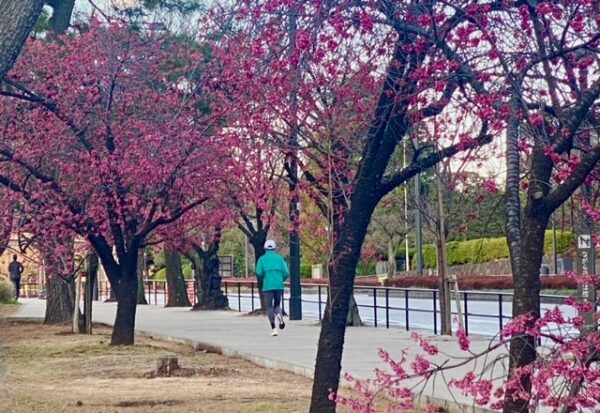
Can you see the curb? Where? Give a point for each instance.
(421, 401)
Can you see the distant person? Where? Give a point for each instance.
(272, 270)
(15, 269)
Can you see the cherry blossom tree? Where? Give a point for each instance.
(107, 143)
(548, 52)
(562, 378)
(257, 194)
(366, 74)
(198, 237)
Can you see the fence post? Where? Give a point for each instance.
(466, 313)
(166, 293)
(406, 308)
(434, 312)
(387, 308)
(320, 313)
(500, 310)
(375, 305)
(252, 295)
(239, 285)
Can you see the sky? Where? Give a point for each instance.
(494, 167)
(84, 6)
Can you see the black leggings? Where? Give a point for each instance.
(273, 299)
(17, 283)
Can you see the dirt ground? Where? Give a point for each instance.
(48, 369)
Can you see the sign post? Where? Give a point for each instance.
(586, 266)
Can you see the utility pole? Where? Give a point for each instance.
(418, 240)
(406, 254)
(554, 250)
(444, 278)
(294, 208)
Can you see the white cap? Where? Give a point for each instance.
(270, 244)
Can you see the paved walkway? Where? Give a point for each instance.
(236, 334)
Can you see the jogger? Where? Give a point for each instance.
(15, 269)
(272, 270)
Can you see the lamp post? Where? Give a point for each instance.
(294, 207)
(245, 254)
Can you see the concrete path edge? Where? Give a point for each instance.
(421, 401)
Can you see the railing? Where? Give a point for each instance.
(29, 289)
(483, 313)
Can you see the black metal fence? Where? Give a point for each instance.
(408, 308)
(397, 307)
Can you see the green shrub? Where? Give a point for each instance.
(365, 268)
(160, 275)
(305, 271)
(429, 256)
(564, 240)
(187, 271)
(481, 282)
(401, 252)
(6, 291)
(486, 249)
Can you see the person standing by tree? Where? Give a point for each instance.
(272, 270)
(15, 269)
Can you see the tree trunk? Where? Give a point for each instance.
(59, 300)
(353, 319)
(258, 243)
(92, 278)
(126, 292)
(5, 232)
(177, 290)
(333, 328)
(526, 300)
(77, 311)
(197, 269)
(342, 270)
(141, 267)
(17, 18)
(391, 259)
(125, 287)
(208, 279)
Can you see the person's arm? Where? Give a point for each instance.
(21, 268)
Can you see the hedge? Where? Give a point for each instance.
(480, 282)
(6, 290)
(365, 268)
(486, 249)
(305, 270)
(467, 282)
(161, 275)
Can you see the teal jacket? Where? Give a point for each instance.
(272, 270)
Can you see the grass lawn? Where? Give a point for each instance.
(48, 369)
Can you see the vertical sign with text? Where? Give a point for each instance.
(586, 266)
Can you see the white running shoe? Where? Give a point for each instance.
(280, 321)
(274, 333)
